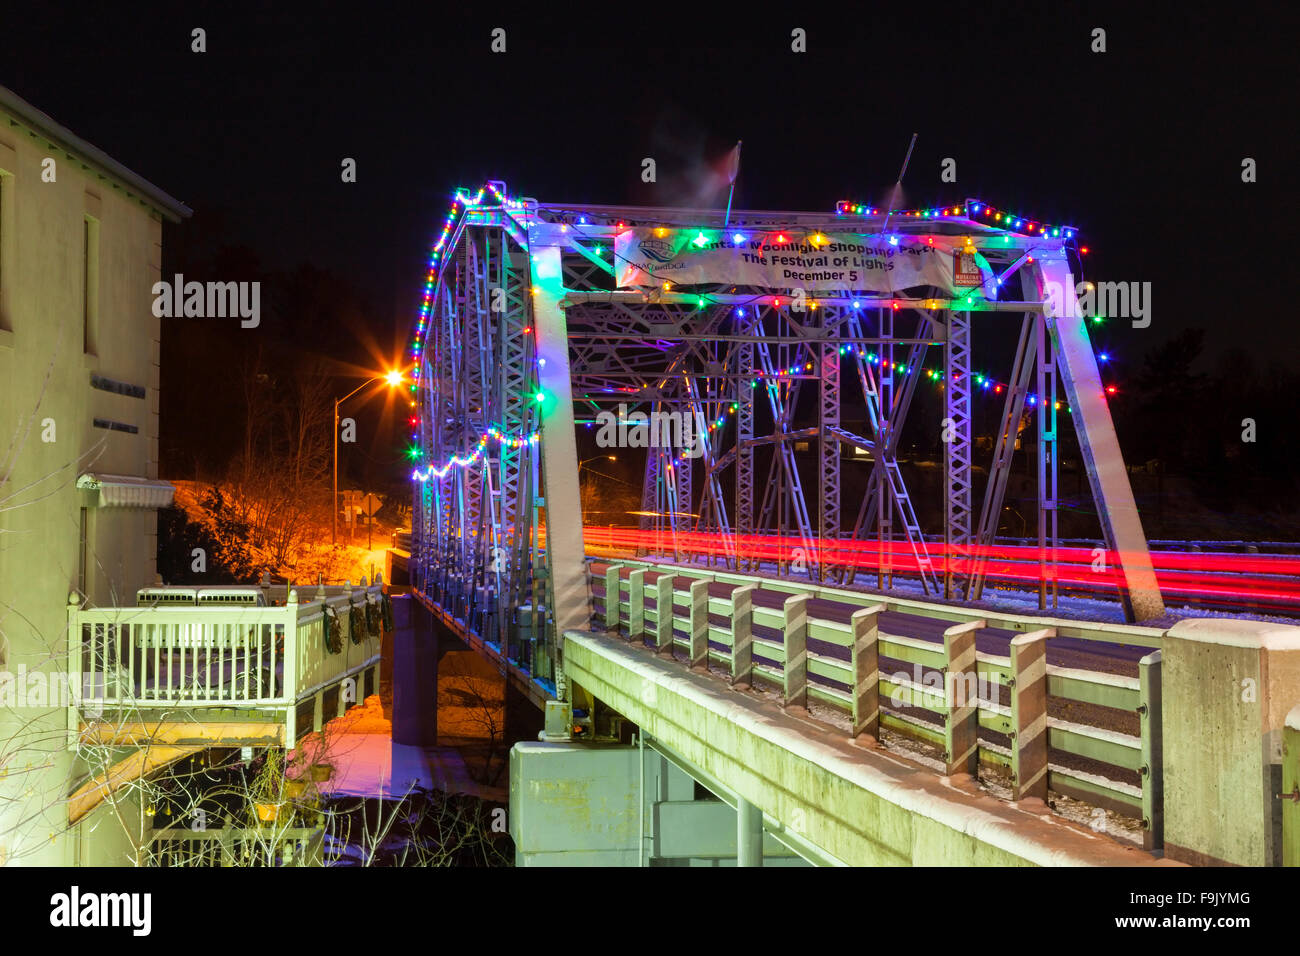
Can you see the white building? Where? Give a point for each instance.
(80, 249)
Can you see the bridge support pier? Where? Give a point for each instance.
(749, 834)
(652, 811)
(415, 674)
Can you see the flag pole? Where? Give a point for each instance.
(898, 186)
(732, 191)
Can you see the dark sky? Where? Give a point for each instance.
(1141, 147)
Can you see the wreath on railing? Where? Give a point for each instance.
(330, 627)
(386, 606)
(356, 622)
(373, 614)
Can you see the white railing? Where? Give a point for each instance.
(230, 846)
(197, 657)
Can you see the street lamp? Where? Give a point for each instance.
(393, 378)
(593, 458)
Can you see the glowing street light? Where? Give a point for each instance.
(393, 378)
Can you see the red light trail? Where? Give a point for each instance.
(1257, 582)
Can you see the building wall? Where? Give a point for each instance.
(48, 438)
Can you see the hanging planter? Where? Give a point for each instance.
(332, 630)
(356, 624)
(294, 789)
(268, 814)
(386, 605)
(320, 772)
(373, 615)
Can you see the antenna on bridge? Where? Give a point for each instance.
(898, 186)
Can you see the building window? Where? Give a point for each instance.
(90, 286)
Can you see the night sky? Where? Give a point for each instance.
(1141, 147)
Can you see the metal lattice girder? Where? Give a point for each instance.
(744, 450)
(828, 441)
(713, 505)
(510, 396)
(957, 452)
(479, 532)
(1004, 447)
(785, 509)
(1046, 447)
(1105, 464)
(473, 524)
(887, 491)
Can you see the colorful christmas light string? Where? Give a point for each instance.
(970, 209)
(456, 461)
(461, 202)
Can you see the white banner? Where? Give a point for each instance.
(816, 263)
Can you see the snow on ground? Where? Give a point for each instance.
(350, 560)
(367, 762)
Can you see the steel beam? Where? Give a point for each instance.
(565, 551)
(1107, 473)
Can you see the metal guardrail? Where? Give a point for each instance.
(959, 708)
(206, 657)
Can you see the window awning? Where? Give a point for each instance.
(128, 491)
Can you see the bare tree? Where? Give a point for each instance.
(476, 703)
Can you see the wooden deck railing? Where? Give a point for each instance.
(197, 658)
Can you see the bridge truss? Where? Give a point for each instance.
(524, 322)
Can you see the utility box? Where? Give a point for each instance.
(559, 720)
(575, 804)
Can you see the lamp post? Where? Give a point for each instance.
(594, 457)
(1023, 524)
(394, 379)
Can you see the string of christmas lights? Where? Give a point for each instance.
(461, 201)
(456, 461)
(969, 209)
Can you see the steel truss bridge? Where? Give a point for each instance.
(525, 322)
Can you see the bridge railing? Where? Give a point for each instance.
(199, 658)
(971, 706)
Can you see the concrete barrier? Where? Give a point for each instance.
(1227, 688)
